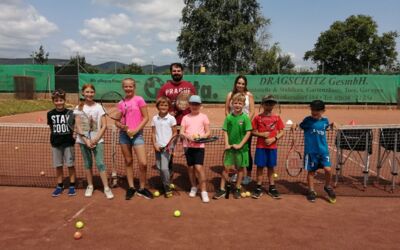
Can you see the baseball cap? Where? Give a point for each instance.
(195, 99)
(269, 98)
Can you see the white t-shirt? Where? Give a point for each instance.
(163, 126)
(246, 107)
(90, 120)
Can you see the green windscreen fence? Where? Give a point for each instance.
(287, 88)
(43, 74)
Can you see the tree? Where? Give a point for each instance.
(354, 46)
(132, 68)
(84, 67)
(271, 60)
(220, 34)
(40, 56)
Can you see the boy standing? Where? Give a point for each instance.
(62, 142)
(268, 128)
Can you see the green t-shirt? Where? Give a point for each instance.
(236, 126)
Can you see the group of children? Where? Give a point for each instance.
(237, 128)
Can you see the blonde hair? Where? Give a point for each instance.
(238, 97)
(85, 86)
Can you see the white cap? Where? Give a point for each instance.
(289, 122)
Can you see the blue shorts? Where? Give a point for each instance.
(313, 162)
(135, 141)
(266, 157)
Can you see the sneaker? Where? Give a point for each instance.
(193, 192)
(172, 186)
(219, 194)
(331, 194)
(204, 197)
(168, 192)
(233, 178)
(246, 180)
(274, 193)
(71, 191)
(236, 193)
(57, 191)
(145, 193)
(108, 193)
(89, 191)
(311, 196)
(130, 192)
(257, 193)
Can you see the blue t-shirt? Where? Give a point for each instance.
(315, 135)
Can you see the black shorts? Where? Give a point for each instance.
(194, 156)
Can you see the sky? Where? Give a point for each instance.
(145, 31)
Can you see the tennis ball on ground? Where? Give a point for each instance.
(156, 194)
(16, 147)
(248, 194)
(77, 235)
(79, 224)
(243, 194)
(42, 173)
(177, 213)
(275, 175)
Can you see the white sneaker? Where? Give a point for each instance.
(108, 193)
(204, 197)
(193, 192)
(89, 191)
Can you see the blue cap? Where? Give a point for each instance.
(195, 99)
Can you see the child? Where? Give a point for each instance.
(196, 124)
(62, 142)
(268, 128)
(316, 153)
(91, 121)
(134, 118)
(163, 129)
(237, 129)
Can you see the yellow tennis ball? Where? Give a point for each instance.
(171, 186)
(42, 173)
(79, 224)
(248, 194)
(177, 213)
(276, 175)
(156, 194)
(243, 194)
(16, 148)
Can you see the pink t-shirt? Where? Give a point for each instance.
(130, 108)
(195, 125)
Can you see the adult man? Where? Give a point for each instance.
(173, 87)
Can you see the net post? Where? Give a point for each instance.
(398, 97)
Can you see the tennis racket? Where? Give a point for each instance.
(294, 160)
(232, 159)
(206, 140)
(84, 127)
(176, 147)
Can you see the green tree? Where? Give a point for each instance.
(132, 68)
(354, 46)
(83, 65)
(220, 34)
(40, 56)
(271, 60)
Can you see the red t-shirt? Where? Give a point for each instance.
(171, 90)
(267, 123)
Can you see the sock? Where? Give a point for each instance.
(271, 187)
(60, 185)
(72, 184)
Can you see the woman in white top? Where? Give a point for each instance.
(240, 86)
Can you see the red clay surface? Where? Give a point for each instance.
(32, 219)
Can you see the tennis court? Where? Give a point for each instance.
(36, 220)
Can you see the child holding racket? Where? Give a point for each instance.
(62, 142)
(316, 153)
(237, 129)
(163, 127)
(134, 117)
(268, 128)
(91, 121)
(196, 125)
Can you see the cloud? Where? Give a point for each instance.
(22, 24)
(168, 36)
(107, 28)
(167, 52)
(292, 55)
(138, 61)
(103, 50)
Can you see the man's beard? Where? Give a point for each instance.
(176, 78)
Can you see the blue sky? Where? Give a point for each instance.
(143, 31)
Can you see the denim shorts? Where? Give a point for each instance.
(135, 141)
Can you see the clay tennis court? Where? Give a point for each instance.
(31, 218)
